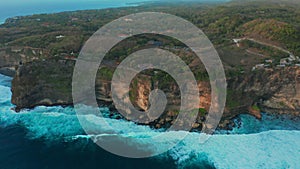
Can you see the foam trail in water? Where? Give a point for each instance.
(270, 149)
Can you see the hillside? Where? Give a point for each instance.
(42, 49)
(273, 31)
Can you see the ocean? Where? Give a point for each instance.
(14, 8)
(51, 137)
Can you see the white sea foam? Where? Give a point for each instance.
(269, 149)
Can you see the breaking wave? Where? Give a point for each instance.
(267, 149)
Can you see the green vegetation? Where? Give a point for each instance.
(268, 51)
(60, 37)
(163, 79)
(202, 112)
(63, 34)
(133, 90)
(221, 22)
(201, 76)
(105, 73)
(271, 29)
(255, 107)
(233, 100)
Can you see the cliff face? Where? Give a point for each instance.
(12, 56)
(273, 91)
(30, 45)
(286, 99)
(42, 83)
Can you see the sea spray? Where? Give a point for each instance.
(269, 149)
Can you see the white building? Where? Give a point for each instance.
(259, 66)
(59, 36)
(269, 61)
(283, 61)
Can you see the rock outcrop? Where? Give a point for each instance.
(273, 90)
(42, 83)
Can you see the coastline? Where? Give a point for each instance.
(41, 126)
(234, 122)
(51, 126)
(92, 6)
(241, 124)
(27, 95)
(7, 71)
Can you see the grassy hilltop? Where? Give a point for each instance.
(258, 43)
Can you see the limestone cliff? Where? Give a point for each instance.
(272, 90)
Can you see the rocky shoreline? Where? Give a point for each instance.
(39, 51)
(8, 71)
(49, 83)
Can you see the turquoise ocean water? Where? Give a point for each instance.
(14, 8)
(51, 137)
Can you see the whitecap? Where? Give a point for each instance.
(269, 149)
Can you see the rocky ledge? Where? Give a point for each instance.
(48, 83)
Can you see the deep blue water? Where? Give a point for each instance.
(18, 152)
(51, 137)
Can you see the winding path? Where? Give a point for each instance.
(262, 43)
